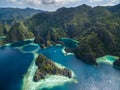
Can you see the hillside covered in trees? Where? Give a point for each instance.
(97, 30)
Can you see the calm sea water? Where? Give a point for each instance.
(14, 64)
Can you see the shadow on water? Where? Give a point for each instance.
(21, 43)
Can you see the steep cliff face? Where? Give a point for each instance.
(18, 32)
(96, 29)
(96, 44)
(3, 30)
(47, 67)
(9, 17)
(47, 36)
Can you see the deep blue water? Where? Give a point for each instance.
(30, 48)
(102, 77)
(14, 64)
(70, 43)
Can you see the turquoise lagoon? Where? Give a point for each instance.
(107, 59)
(2, 37)
(17, 61)
(70, 43)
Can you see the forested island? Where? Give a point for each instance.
(47, 67)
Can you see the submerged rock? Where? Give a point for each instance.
(47, 67)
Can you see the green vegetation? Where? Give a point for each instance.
(47, 67)
(3, 30)
(18, 32)
(12, 26)
(97, 30)
(16, 13)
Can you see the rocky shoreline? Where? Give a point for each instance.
(97, 36)
(47, 67)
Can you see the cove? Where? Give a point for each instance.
(69, 43)
(102, 77)
(15, 62)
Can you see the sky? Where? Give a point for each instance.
(52, 5)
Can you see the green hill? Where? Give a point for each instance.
(97, 30)
(16, 13)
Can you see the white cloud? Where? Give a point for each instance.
(31, 2)
(111, 2)
(9, 1)
(41, 1)
(38, 2)
(57, 1)
(96, 0)
(55, 4)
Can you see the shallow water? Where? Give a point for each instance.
(30, 48)
(108, 59)
(102, 77)
(14, 64)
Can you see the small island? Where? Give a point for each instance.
(47, 67)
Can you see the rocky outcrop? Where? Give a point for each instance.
(116, 64)
(96, 29)
(18, 32)
(47, 36)
(94, 44)
(47, 67)
(43, 43)
(3, 30)
(46, 43)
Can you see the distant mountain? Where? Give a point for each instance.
(114, 8)
(11, 16)
(18, 32)
(97, 30)
(16, 13)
